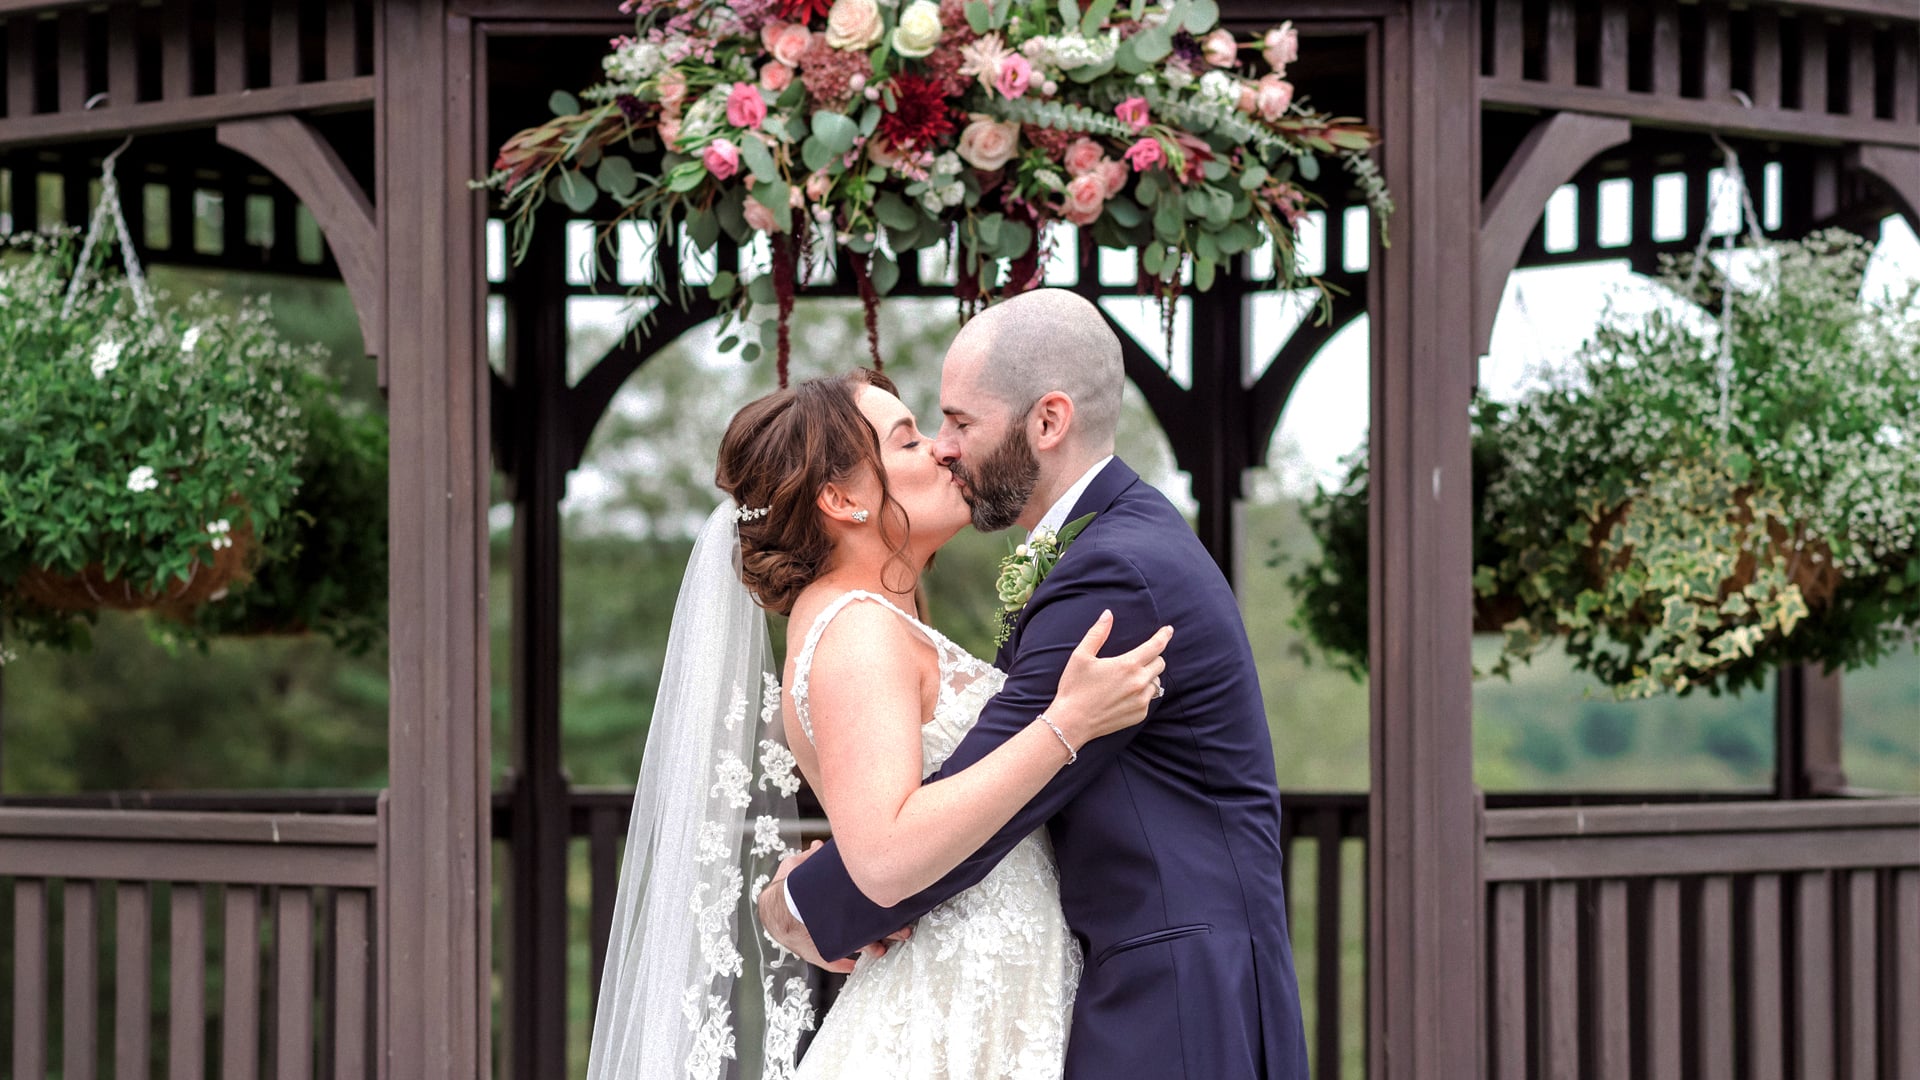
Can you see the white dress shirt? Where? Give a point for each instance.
(1055, 518)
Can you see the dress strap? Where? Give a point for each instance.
(803, 663)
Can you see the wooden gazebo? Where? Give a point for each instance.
(1770, 936)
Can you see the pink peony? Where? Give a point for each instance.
(776, 76)
(1132, 112)
(1145, 154)
(987, 145)
(1220, 49)
(759, 217)
(1083, 156)
(1282, 47)
(1273, 96)
(1086, 198)
(722, 158)
(745, 107)
(1014, 75)
(787, 44)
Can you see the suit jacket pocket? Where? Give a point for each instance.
(1152, 937)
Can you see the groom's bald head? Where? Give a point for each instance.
(1040, 342)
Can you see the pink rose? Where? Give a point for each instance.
(1249, 102)
(759, 217)
(1273, 96)
(1086, 198)
(1014, 75)
(1145, 154)
(881, 154)
(818, 185)
(1083, 156)
(669, 130)
(854, 24)
(789, 44)
(987, 145)
(745, 107)
(1113, 176)
(1220, 49)
(776, 76)
(1282, 47)
(1132, 112)
(722, 158)
(673, 91)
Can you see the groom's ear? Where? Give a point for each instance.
(1053, 414)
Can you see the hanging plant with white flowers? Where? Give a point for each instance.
(883, 127)
(143, 448)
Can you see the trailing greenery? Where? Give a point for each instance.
(135, 443)
(1707, 493)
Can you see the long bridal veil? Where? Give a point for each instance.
(690, 981)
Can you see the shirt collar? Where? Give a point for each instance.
(1056, 515)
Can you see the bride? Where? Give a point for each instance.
(837, 507)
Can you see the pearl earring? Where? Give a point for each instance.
(859, 517)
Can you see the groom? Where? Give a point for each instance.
(1167, 834)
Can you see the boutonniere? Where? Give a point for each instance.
(1022, 571)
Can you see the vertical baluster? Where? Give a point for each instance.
(1562, 36)
(1613, 46)
(123, 74)
(326, 928)
(240, 1004)
(293, 918)
(1906, 80)
(1326, 970)
(1612, 942)
(176, 55)
(1766, 1017)
(1904, 1015)
(342, 45)
(284, 53)
(1560, 981)
(80, 979)
(1666, 50)
(1860, 80)
(1509, 41)
(1766, 59)
(187, 984)
(1813, 63)
(350, 985)
(1813, 975)
(20, 68)
(1858, 1059)
(603, 852)
(230, 47)
(133, 967)
(72, 76)
(1713, 952)
(1509, 969)
(29, 977)
(1716, 62)
(1663, 979)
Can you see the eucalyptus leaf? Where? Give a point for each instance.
(758, 160)
(1201, 16)
(561, 103)
(885, 274)
(1309, 168)
(616, 176)
(894, 213)
(576, 192)
(815, 154)
(760, 290)
(720, 288)
(703, 229)
(1203, 274)
(1069, 12)
(835, 131)
(1016, 237)
(978, 17)
(1097, 14)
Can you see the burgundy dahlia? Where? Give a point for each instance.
(920, 116)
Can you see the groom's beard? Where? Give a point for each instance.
(998, 486)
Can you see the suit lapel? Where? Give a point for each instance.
(1105, 489)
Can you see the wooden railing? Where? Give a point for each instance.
(1757, 939)
(288, 991)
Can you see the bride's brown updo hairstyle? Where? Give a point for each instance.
(778, 453)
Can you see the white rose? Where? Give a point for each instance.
(854, 24)
(987, 145)
(919, 29)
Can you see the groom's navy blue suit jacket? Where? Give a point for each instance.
(1167, 834)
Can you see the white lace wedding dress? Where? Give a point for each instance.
(984, 987)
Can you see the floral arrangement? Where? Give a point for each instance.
(1698, 501)
(886, 126)
(143, 450)
(1027, 566)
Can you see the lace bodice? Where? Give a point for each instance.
(983, 990)
(966, 681)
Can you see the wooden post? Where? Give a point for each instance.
(1424, 922)
(435, 963)
(537, 360)
(1806, 715)
(1218, 344)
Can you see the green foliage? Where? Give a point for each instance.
(126, 437)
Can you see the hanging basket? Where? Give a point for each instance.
(208, 579)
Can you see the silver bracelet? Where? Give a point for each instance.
(1072, 754)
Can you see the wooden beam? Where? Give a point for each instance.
(301, 158)
(1552, 153)
(1424, 928)
(1728, 117)
(174, 115)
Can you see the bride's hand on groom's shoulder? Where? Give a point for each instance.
(792, 935)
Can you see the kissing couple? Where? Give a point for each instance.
(1065, 863)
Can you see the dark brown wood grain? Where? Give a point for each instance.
(187, 983)
(133, 962)
(29, 977)
(79, 979)
(240, 978)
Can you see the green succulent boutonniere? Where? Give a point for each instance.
(1028, 565)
